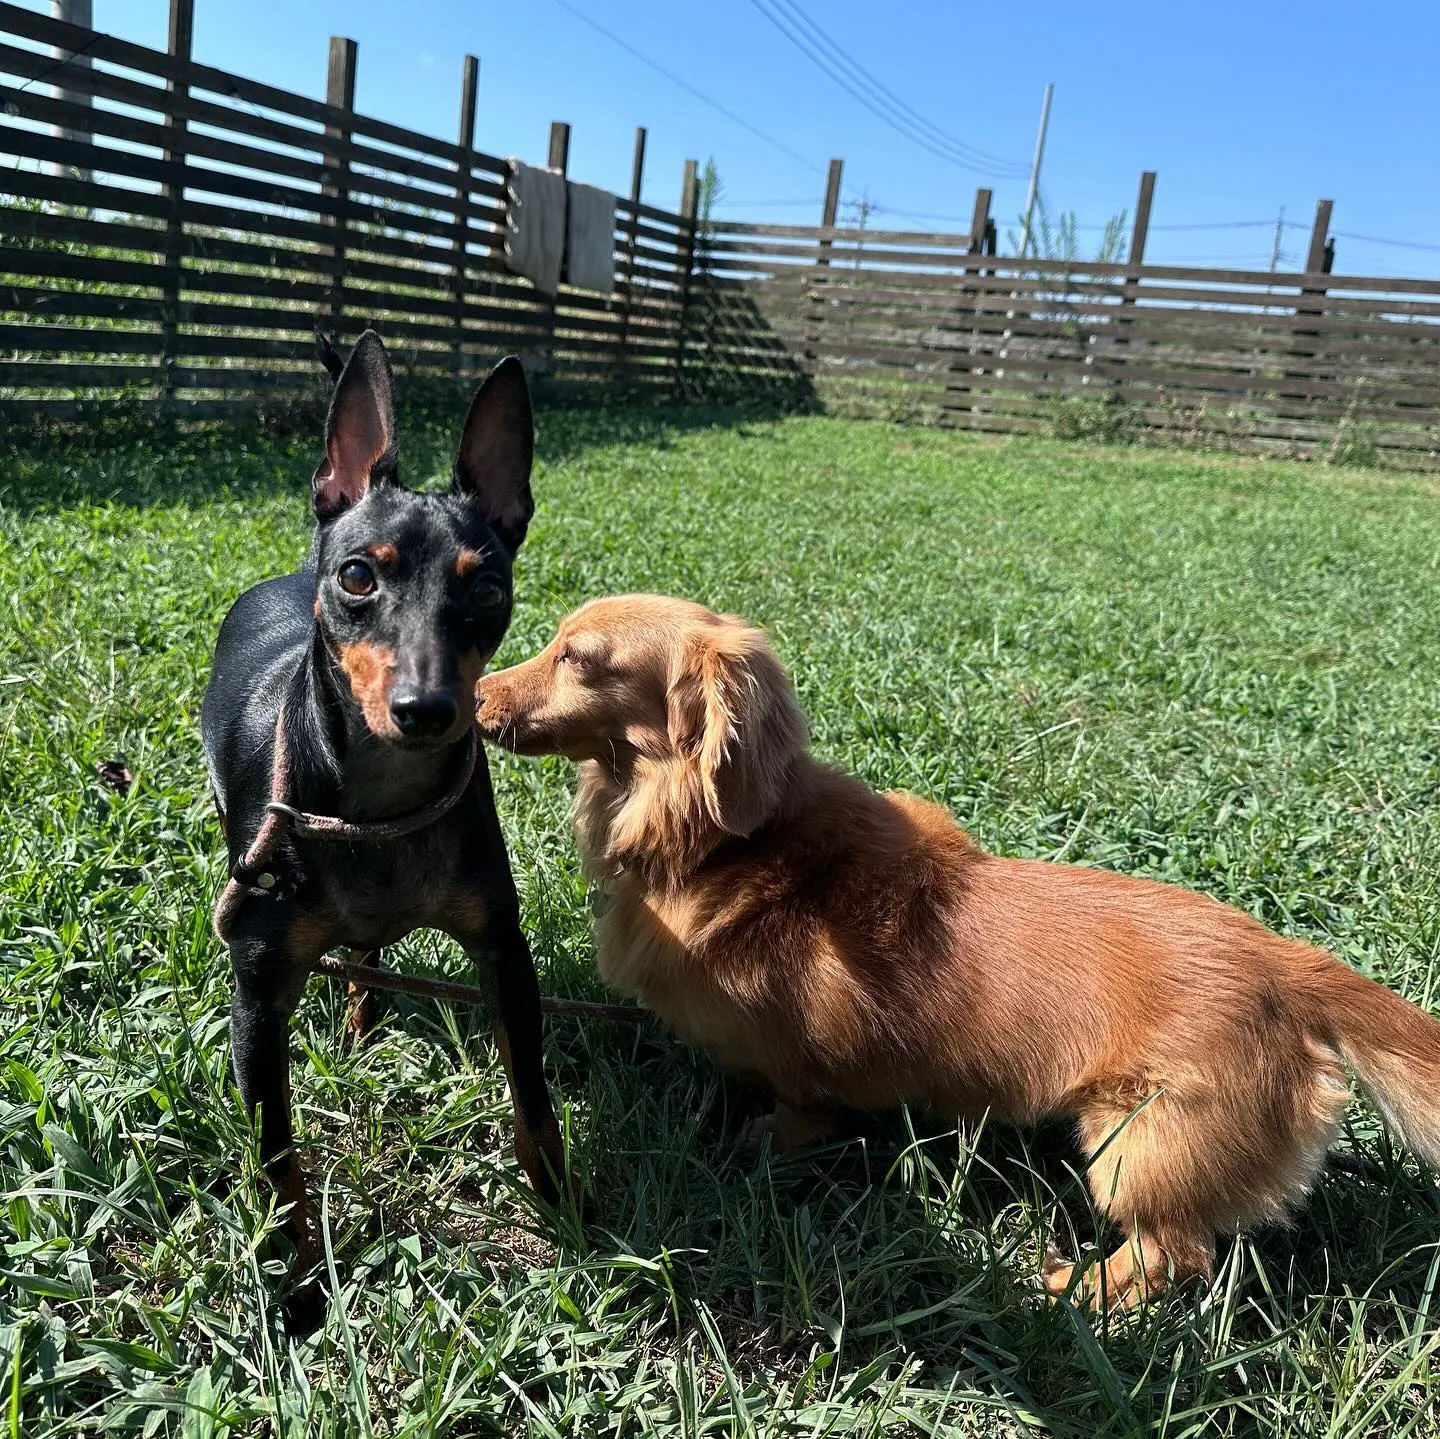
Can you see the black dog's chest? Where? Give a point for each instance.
(376, 894)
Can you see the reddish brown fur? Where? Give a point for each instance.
(369, 669)
(466, 562)
(857, 949)
(385, 554)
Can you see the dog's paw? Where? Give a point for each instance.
(360, 1022)
(304, 1311)
(753, 1136)
(1056, 1273)
(787, 1130)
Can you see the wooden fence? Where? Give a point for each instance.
(183, 254)
(927, 326)
(186, 253)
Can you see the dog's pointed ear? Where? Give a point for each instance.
(359, 431)
(734, 716)
(497, 449)
(325, 353)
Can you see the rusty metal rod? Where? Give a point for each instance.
(366, 976)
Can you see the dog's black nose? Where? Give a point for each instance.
(423, 716)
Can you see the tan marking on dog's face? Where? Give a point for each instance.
(383, 554)
(467, 562)
(369, 669)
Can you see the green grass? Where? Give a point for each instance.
(1210, 671)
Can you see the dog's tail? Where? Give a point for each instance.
(1394, 1047)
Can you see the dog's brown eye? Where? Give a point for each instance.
(355, 577)
(489, 597)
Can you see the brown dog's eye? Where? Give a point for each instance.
(355, 577)
(489, 597)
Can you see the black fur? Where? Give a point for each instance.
(366, 740)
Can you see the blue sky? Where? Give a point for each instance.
(1242, 108)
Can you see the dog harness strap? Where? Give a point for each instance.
(324, 826)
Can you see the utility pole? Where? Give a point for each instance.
(1275, 248)
(1035, 171)
(72, 12)
(864, 207)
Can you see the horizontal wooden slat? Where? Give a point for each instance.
(85, 195)
(80, 339)
(233, 377)
(54, 265)
(276, 286)
(850, 234)
(39, 304)
(625, 206)
(40, 375)
(77, 230)
(212, 313)
(37, 105)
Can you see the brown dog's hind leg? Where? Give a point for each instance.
(1142, 1268)
(789, 1128)
(1158, 1169)
(364, 1012)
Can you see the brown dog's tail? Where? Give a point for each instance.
(1394, 1047)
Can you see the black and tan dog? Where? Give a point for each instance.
(348, 690)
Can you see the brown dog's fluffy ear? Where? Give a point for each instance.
(733, 715)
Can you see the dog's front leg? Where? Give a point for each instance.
(268, 986)
(502, 956)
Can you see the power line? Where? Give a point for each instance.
(1219, 225)
(855, 81)
(924, 215)
(864, 77)
(688, 87)
(1381, 240)
(774, 204)
(1200, 225)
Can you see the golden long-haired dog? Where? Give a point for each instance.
(857, 949)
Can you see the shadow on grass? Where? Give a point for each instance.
(910, 1250)
(138, 465)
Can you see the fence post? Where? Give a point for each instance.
(832, 203)
(1317, 262)
(1129, 287)
(81, 13)
(637, 175)
(339, 92)
(815, 330)
(464, 171)
(980, 227)
(181, 45)
(559, 146)
(689, 194)
(1140, 231)
(558, 158)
